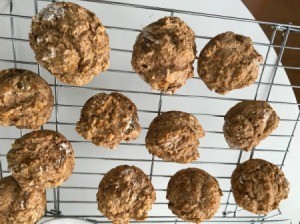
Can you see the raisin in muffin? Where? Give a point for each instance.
(70, 42)
(163, 54)
(229, 61)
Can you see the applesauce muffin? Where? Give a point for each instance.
(18, 206)
(26, 99)
(41, 159)
(164, 53)
(108, 119)
(227, 62)
(174, 136)
(70, 42)
(193, 195)
(259, 186)
(249, 122)
(125, 193)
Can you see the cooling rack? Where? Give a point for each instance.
(76, 197)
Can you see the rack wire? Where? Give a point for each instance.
(60, 200)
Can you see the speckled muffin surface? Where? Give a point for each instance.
(26, 100)
(41, 159)
(125, 193)
(18, 206)
(70, 42)
(174, 136)
(259, 186)
(249, 122)
(108, 119)
(163, 54)
(193, 195)
(229, 61)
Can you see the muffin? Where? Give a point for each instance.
(259, 186)
(108, 119)
(18, 206)
(193, 195)
(249, 122)
(174, 136)
(41, 159)
(26, 100)
(70, 42)
(229, 61)
(125, 193)
(164, 53)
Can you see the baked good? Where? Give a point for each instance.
(249, 122)
(259, 186)
(125, 193)
(193, 195)
(41, 159)
(70, 42)
(229, 61)
(174, 136)
(18, 206)
(26, 100)
(164, 53)
(108, 119)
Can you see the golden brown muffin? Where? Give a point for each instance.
(125, 193)
(26, 100)
(193, 195)
(259, 186)
(108, 119)
(249, 122)
(18, 206)
(229, 61)
(70, 42)
(41, 159)
(173, 136)
(163, 54)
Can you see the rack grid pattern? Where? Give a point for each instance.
(230, 212)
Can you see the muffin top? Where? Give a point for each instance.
(259, 186)
(193, 195)
(229, 61)
(163, 54)
(41, 159)
(249, 122)
(26, 100)
(125, 193)
(108, 119)
(70, 42)
(174, 136)
(18, 206)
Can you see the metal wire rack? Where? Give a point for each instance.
(76, 198)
